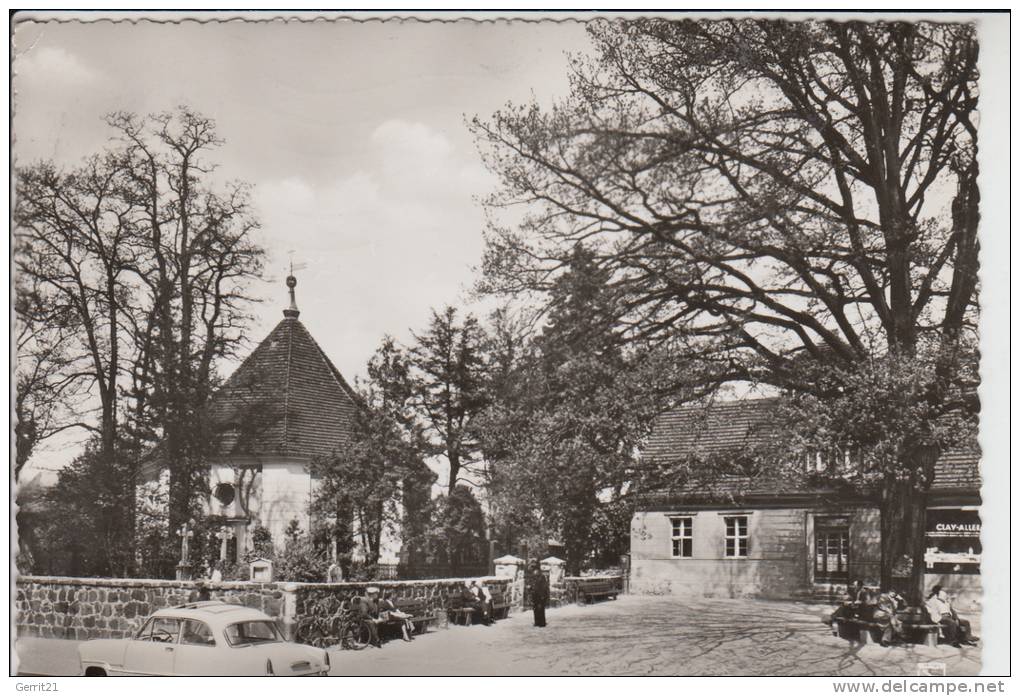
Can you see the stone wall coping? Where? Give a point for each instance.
(582, 578)
(244, 584)
(384, 584)
(141, 582)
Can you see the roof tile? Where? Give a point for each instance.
(729, 427)
(287, 396)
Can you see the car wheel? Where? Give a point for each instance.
(95, 672)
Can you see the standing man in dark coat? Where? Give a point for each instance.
(539, 594)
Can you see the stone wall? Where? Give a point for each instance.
(87, 608)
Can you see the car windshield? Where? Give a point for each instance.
(159, 629)
(250, 632)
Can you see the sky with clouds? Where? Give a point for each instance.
(352, 134)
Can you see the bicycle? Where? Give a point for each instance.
(352, 628)
(346, 627)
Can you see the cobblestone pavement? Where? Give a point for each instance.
(654, 635)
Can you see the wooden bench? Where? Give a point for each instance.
(459, 612)
(597, 589)
(868, 632)
(914, 624)
(421, 616)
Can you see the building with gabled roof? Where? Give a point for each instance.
(284, 407)
(730, 527)
(305, 405)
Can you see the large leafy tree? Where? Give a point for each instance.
(447, 373)
(455, 540)
(377, 480)
(564, 434)
(796, 203)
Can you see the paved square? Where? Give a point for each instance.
(633, 635)
(654, 635)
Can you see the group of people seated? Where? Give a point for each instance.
(377, 610)
(883, 608)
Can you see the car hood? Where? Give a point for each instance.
(291, 658)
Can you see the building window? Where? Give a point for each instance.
(736, 537)
(683, 537)
(832, 553)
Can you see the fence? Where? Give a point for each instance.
(431, 572)
(572, 586)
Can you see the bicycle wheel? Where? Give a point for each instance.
(305, 631)
(355, 635)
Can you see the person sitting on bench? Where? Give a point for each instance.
(473, 599)
(955, 629)
(368, 607)
(851, 604)
(486, 599)
(883, 612)
(388, 611)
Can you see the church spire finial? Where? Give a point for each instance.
(292, 311)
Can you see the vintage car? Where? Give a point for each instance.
(203, 639)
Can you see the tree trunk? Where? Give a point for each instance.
(903, 515)
(454, 458)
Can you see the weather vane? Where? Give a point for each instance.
(292, 311)
(295, 266)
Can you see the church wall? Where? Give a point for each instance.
(223, 473)
(286, 496)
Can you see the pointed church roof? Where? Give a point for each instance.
(287, 398)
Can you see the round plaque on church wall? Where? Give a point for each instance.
(224, 493)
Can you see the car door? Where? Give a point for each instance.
(153, 649)
(199, 654)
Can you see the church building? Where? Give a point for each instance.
(286, 405)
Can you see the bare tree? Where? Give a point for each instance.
(74, 245)
(196, 256)
(48, 385)
(795, 202)
(143, 260)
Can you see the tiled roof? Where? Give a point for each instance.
(722, 428)
(286, 399)
(723, 431)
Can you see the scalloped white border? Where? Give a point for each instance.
(996, 291)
